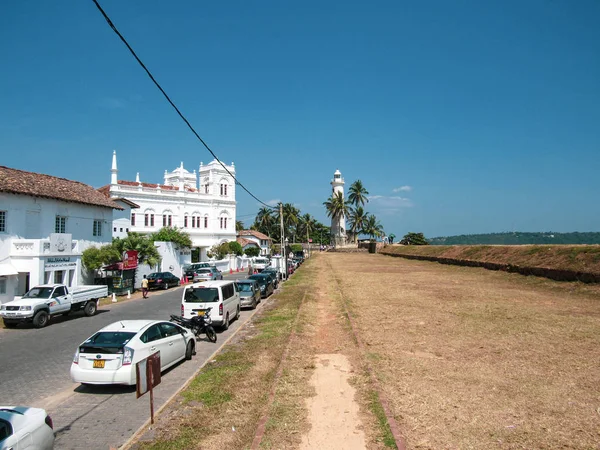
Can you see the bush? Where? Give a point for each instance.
(235, 247)
(252, 252)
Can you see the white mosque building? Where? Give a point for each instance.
(338, 224)
(203, 204)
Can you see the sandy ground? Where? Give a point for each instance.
(333, 413)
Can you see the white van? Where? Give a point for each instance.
(222, 296)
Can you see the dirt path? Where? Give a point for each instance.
(333, 413)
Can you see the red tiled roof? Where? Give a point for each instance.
(16, 181)
(148, 185)
(244, 242)
(254, 233)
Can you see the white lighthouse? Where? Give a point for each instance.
(338, 224)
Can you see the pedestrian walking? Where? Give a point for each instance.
(145, 287)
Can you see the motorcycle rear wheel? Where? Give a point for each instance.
(211, 334)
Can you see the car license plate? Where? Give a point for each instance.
(99, 363)
(10, 314)
(201, 313)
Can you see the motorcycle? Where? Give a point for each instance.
(198, 324)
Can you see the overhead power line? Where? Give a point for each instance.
(114, 28)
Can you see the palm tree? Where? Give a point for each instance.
(290, 220)
(264, 221)
(356, 220)
(336, 206)
(372, 227)
(239, 225)
(307, 225)
(147, 253)
(357, 194)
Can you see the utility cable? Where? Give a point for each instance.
(114, 28)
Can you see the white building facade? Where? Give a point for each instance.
(338, 224)
(41, 237)
(202, 204)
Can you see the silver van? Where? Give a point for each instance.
(222, 296)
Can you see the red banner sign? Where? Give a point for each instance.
(130, 259)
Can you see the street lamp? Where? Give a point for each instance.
(285, 264)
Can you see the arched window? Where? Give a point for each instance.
(149, 217)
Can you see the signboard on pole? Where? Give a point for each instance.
(147, 376)
(309, 239)
(130, 259)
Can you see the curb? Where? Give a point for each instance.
(143, 428)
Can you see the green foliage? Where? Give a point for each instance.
(519, 238)
(296, 247)
(357, 194)
(252, 252)
(235, 247)
(372, 227)
(94, 258)
(414, 239)
(219, 251)
(239, 225)
(174, 235)
(147, 252)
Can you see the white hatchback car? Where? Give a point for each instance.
(110, 355)
(23, 427)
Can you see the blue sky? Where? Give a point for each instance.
(458, 116)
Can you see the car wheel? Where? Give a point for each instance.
(225, 325)
(40, 320)
(90, 308)
(166, 286)
(189, 350)
(10, 323)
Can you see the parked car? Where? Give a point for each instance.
(110, 355)
(24, 427)
(42, 302)
(207, 274)
(191, 270)
(162, 280)
(222, 296)
(249, 293)
(265, 283)
(274, 274)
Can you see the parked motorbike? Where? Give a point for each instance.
(200, 324)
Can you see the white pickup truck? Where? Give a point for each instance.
(259, 263)
(47, 300)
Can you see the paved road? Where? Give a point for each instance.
(35, 363)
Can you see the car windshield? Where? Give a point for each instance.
(261, 261)
(259, 278)
(39, 292)
(245, 287)
(106, 342)
(201, 295)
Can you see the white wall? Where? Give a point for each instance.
(25, 245)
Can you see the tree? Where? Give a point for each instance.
(94, 258)
(357, 194)
(356, 219)
(219, 251)
(252, 251)
(414, 239)
(236, 248)
(336, 206)
(239, 225)
(147, 252)
(372, 227)
(264, 221)
(306, 226)
(174, 235)
(290, 220)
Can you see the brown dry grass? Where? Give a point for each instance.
(471, 358)
(577, 258)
